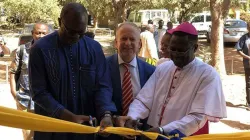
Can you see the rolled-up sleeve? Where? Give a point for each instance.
(103, 98)
(39, 84)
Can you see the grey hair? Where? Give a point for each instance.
(128, 23)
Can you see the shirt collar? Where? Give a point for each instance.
(188, 65)
(132, 63)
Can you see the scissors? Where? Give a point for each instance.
(91, 121)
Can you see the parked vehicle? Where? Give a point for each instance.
(26, 35)
(201, 22)
(141, 17)
(233, 30)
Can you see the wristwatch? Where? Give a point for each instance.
(161, 130)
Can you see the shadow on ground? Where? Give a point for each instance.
(229, 104)
(236, 124)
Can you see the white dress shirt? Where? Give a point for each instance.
(191, 95)
(135, 78)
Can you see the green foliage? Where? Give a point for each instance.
(31, 11)
(98, 8)
(245, 16)
(185, 7)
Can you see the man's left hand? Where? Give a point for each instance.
(155, 130)
(105, 122)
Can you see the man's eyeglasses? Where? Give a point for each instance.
(71, 32)
(181, 53)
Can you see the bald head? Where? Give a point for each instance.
(42, 25)
(39, 30)
(73, 22)
(150, 28)
(76, 9)
(128, 24)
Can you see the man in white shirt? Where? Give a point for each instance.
(158, 34)
(182, 94)
(148, 49)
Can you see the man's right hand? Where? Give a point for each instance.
(80, 118)
(69, 116)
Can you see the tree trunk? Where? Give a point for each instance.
(219, 10)
(119, 11)
(95, 22)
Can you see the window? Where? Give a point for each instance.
(148, 15)
(138, 17)
(208, 17)
(131, 17)
(159, 14)
(235, 24)
(153, 15)
(198, 19)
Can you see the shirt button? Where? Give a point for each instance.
(173, 87)
(175, 77)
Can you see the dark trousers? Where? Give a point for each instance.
(247, 78)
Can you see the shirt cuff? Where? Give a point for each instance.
(58, 111)
(134, 116)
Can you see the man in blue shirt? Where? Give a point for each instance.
(69, 77)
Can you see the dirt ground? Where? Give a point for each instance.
(234, 89)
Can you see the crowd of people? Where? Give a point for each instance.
(65, 75)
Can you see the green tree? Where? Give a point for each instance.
(99, 9)
(33, 10)
(185, 8)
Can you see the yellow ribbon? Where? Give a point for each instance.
(25, 120)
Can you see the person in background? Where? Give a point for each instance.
(165, 41)
(148, 49)
(169, 25)
(90, 34)
(19, 77)
(158, 34)
(150, 21)
(243, 49)
(4, 50)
